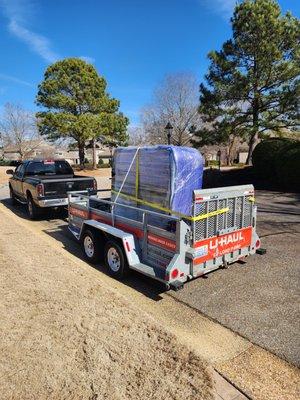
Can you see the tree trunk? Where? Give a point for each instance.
(94, 154)
(254, 137)
(253, 142)
(255, 115)
(81, 154)
(231, 150)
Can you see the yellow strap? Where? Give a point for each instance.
(252, 199)
(159, 207)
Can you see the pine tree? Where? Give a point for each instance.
(253, 82)
(77, 105)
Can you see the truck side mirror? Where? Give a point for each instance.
(10, 171)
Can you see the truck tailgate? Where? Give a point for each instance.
(60, 187)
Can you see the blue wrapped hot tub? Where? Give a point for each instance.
(164, 175)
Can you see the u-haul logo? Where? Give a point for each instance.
(219, 245)
(226, 240)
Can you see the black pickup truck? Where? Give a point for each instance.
(43, 183)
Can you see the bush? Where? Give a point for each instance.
(278, 160)
(104, 165)
(288, 167)
(266, 155)
(100, 162)
(212, 163)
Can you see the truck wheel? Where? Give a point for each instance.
(12, 196)
(32, 208)
(115, 260)
(91, 247)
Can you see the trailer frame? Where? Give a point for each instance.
(220, 231)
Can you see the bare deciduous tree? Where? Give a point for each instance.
(175, 100)
(137, 136)
(18, 129)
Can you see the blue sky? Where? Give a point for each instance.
(133, 43)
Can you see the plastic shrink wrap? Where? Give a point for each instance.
(162, 175)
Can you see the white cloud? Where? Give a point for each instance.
(87, 59)
(15, 80)
(37, 43)
(18, 13)
(222, 7)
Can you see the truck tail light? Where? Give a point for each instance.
(40, 190)
(257, 244)
(94, 184)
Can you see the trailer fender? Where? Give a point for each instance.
(126, 238)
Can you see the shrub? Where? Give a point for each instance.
(100, 162)
(266, 155)
(288, 167)
(104, 165)
(212, 163)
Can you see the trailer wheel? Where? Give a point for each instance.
(90, 246)
(115, 260)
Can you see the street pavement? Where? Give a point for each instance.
(261, 298)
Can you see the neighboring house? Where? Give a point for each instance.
(210, 153)
(30, 149)
(44, 149)
(33, 149)
(102, 152)
(243, 153)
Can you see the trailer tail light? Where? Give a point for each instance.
(94, 184)
(40, 190)
(257, 244)
(174, 273)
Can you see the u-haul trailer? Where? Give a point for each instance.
(220, 231)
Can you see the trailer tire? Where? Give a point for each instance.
(115, 260)
(91, 247)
